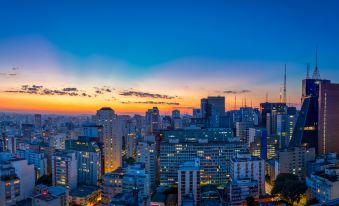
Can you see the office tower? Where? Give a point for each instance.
(131, 133)
(88, 156)
(258, 142)
(189, 183)
(136, 181)
(64, 169)
(306, 128)
(212, 109)
(245, 166)
(175, 114)
(152, 120)
(146, 154)
(285, 126)
(17, 179)
(247, 114)
(112, 140)
(267, 110)
(111, 185)
(328, 132)
(242, 131)
(94, 133)
(294, 160)
(27, 132)
(214, 147)
(272, 146)
(196, 113)
(47, 196)
(37, 122)
(38, 159)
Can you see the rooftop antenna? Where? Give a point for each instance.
(285, 95)
(245, 102)
(280, 96)
(308, 71)
(251, 104)
(316, 74)
(235, 102)
(266, 96)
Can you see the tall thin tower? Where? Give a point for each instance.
(316, 73)
(285, 93)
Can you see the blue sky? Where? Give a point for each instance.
(145, 35)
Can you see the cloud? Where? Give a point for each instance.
(11, 73)
(146, 95)
(151, 102)
(237, 92)
(104, 89)
(41, 90)
(70, 89)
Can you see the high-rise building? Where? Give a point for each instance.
(37, 122)
(214, 147)
(152, 120)
(267, 109)
(64, 169)
(242, 131)
(146, 153)
(112, 140)
(175, 114)
(212, 109)
(16, 179)
(189, 183)
(88, 156)
(245, 166)
(306, 128)
(258, 142)
(38, 159)
(328, 131)
(27, 132)
(293, 160)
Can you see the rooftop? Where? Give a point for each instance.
(83, 191)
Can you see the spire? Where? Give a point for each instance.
(316, 74)
(285, 95)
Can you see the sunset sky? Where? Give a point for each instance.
(77, 56)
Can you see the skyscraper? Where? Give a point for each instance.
(88, 156)
(212, 109)
(152, 120)
(306, 128)
(37, 122)
(64, 169)
(106, 117)
(328, 118)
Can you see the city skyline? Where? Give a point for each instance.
(59, 58)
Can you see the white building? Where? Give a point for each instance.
(38, 159)
(189, 182)
(112, 138)
(16, 179)
(64, 169)
(245, 166)
(324, 185)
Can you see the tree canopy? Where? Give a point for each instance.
(289, 187)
